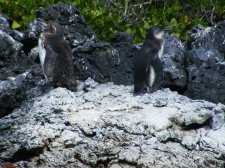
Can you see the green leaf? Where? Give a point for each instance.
(15, 25)
(146, 25)
(173, 21)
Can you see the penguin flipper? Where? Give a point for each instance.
(49, 63)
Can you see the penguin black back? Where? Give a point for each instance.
(148, 70)
(56, 56)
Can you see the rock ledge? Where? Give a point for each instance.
(107, 127)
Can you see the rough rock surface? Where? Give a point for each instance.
(107, 63)
(11, 56)
(5, 26)
(106, 126)
(75, 29)
(16, 90)
(175, 75)
(205, 63)
(17, 75)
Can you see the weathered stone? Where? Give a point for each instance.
(75, 29)
(17, 89)
(12, 60)
(208, 38)
(205, 63)
(173, 59)
(104, 127)
(9, 46)
(4, 22)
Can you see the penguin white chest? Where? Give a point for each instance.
(161, 51)
(41, 50)
(152, 74)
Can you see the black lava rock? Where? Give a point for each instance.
(206, 64)
(16, 89)
(173, 59)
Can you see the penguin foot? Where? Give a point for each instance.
(72, 86)
(141, 92)
(153, 89)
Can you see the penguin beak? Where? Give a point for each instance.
(167, 28)
(43, 23)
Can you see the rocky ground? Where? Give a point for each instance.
(104, 125)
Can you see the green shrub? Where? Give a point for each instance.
(134, 16)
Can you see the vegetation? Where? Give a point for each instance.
(106, 17)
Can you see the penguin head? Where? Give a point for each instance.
(155, 32)
(51, 27)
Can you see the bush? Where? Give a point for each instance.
(106, 17)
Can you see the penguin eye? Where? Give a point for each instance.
(158, 31)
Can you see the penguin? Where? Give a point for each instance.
(55, 55)
(148, 68)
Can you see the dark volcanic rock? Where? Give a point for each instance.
(5, 26)
(106, 63)
(206, 74)
(93, 61)
(29, 40)
(121, 37)
(16, 89)
(206, 64)
(16, 77)
(124, 54)
(75, 29)
(17, 74)
(209, 38)
(12, 59)
(4, 22)
(173, 59)
(9, 47)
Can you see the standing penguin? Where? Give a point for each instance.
(55, 55)
(148, 69)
